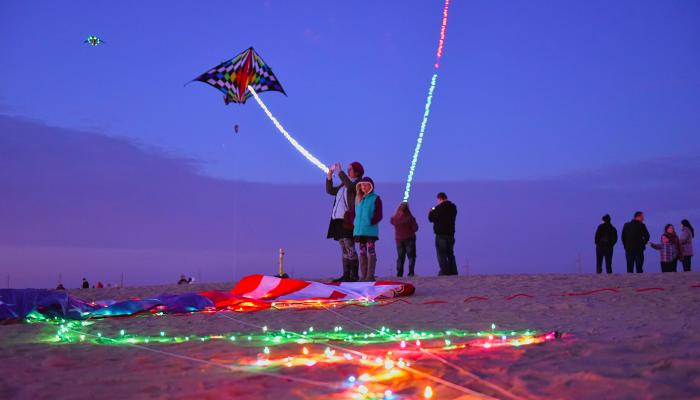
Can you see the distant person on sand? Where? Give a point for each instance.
(443, 217)
(183, 280)
(342, 216)
(368, 213)
(687, 235)
(635, 237)
(100, 285)
(60, 287)
(86, 284)
(670, 248)
(406, 227)
(605, 239)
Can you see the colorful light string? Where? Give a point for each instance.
(382, 359)
(426, 112)
(286, 134)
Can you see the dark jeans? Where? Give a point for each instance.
(406, 248)
(671, 266)
(686, 263)
(635, 258)
(444, 246)
(600, 253)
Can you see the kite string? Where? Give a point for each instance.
(440, 359)
(212, 363)
(286, 134)
(359, 353)
(426, 113)
(471, 375)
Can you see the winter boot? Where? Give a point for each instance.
(411, 266)
(354, 266)
(370, 268)
(363, 267)
(346, 271)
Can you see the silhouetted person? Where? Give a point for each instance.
(670, 249)
(86, 284)
(443, 217)
(183, 280)
(60, 287)
(100, 285)
(635, 237)
(687, 235)
(605, 239)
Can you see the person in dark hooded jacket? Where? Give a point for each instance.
(605, 240)
(406, 227)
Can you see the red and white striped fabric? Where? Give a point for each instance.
(262, 287)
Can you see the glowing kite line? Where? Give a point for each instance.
(426, 113)
(286, 134)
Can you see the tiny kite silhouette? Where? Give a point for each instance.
(93, 40)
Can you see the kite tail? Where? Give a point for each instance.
(426, 113)
(286, 134)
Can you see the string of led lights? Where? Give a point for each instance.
(384, 364)
(426, 112)
(286, 134)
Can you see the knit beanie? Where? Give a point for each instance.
(358, 168)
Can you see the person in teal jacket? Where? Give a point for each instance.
(368, 213)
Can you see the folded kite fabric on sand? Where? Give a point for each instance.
(252, 293)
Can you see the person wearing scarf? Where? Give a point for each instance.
(670, 249)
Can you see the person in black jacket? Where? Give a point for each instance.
(343, 215)
(605, 239)
(443, 217)
(635, 237)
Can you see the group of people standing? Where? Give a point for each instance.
(635, 237)
(355, 217)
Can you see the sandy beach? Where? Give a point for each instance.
(622, 336)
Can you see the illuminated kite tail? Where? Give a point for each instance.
(286, 134)
(429, 100)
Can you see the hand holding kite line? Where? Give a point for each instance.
(245, 75)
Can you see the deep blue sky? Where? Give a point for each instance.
(526, 89)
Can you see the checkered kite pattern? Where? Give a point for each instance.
(233, 77)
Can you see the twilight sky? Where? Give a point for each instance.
(546, 116)
(526, 89)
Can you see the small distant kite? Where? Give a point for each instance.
(233, 77)
(93, 40)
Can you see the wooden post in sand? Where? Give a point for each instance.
(281, 265)
(281, 273)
